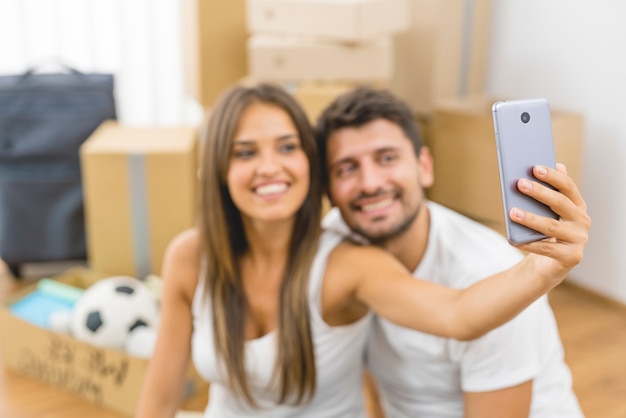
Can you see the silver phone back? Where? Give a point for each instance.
(521, 143)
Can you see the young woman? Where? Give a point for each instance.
(273, 311)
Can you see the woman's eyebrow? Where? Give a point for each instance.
(246, 141)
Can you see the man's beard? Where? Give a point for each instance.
(384, 236)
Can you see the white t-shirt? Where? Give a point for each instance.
(424, 376)
(338, 360)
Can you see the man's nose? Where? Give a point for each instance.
(371, 178)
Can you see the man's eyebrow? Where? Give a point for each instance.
(386, 149)
(340, 161)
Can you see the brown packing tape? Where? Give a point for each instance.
(139, 214)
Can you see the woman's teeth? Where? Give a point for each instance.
(271, 189)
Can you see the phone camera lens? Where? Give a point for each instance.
(525, 117)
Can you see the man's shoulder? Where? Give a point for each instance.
(463, 242)
(461, 222)
(333, 224)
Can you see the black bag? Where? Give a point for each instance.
(44, 119)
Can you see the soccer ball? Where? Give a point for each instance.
(109, 310)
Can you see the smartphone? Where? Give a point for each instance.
(523, 133)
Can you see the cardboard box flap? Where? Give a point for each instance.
(113, 138)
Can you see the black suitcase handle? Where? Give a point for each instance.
(64, 67)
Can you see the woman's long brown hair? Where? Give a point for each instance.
(224, 242)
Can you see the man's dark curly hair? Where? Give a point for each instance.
(358, 107)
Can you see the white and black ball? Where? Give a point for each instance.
(111, 309)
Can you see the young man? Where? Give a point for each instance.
(377, 172)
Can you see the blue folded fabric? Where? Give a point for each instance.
(38, 306)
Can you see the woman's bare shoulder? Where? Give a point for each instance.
(349, 251)
(181, 263)
(185, 245)
(352, 259)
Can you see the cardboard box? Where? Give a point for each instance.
(140, 190)
(214, 46)
(296, 59)
(342, 20)
(110, 378)
(462, 141)
(315, 97)
(444, 52)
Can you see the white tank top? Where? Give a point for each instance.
(338, 360)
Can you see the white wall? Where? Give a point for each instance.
(573, 53)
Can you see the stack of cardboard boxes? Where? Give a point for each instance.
(320, 49)
(424, 50)
(308, 40)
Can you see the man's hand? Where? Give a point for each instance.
(555, 256)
